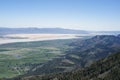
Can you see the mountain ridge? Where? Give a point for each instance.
(82, 55)
(40, 30)
(36, 30)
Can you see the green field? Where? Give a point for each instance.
(18, 58)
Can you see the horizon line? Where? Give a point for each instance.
(63, 28)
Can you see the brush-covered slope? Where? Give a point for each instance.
(104, 69)
(82, 55)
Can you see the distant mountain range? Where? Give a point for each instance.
(105, 32)
(53, 31)
(40, 30)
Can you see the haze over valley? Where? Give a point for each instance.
(11, 35)
(59, 39)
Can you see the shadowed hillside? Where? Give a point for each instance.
(105, 69)
(83, 54)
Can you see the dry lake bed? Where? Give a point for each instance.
(11, 38)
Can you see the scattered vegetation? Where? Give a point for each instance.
(104, 69)
(83, 54)
(18, 58)
(65, 59)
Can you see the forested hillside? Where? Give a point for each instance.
(105, 69)
(83, 54)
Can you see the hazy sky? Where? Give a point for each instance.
(75, 14)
